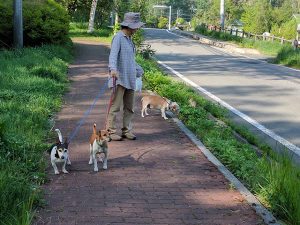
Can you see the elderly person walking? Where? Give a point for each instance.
(124, 69)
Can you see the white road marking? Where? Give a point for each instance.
(270, 133)
(237, 54)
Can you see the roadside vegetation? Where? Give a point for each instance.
(32, 82)
(272, 178)
(283, 54)
(78, 31)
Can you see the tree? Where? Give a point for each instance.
(92, 16)
(257, 16)
(18, 24)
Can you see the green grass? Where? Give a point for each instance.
(78, 31)
(32, 82)
(273, 179)
(284, 54)
(289, 57)
(265, 47)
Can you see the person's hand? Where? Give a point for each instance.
(114, 73)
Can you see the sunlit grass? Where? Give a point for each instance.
(78, 31)
(274, 179)
(32, 83)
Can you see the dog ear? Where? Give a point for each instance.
(67, 143)
(57, 141)
(103, 133)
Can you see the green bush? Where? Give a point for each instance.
(138, 38)
(44, 21)
(162, 22)
(286, 30)
(151, 21)
(180, 21)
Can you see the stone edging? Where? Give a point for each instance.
(266, 215)
(205, 40)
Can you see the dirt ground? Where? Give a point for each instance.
(160, 178)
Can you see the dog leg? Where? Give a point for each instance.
(91, 155)
(54, 167)
(105, 160)
(69, 161)
(163, 114)
(146, 113)
(64, 167)
(95, 162)
(143, 111)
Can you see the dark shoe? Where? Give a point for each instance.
(115, 137)
(129, 136)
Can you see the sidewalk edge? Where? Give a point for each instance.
(251, 199)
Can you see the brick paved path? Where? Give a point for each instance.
(161, 178)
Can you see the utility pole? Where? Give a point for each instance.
(222, 14)
(170, 15)
(18, 24)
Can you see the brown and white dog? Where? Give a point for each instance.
(59, 153)
(158, 102)
(98, 145)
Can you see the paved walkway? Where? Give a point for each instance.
(160, 178)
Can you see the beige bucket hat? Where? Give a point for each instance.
(132, 20)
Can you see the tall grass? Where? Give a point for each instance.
(32, 82)
(274, 179)
(288, 56)
(79, 31)
(265, 47)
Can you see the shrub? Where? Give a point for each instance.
(44, 21)
(151, 21)
(162, 22)
(180, 21)
(138, 38)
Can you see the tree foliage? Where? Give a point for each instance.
(257, 16)
(44, 21)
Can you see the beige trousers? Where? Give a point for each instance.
(124, 97)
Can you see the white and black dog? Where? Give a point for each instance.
(59, 153)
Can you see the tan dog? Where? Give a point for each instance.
(158, 102)
(98, 145)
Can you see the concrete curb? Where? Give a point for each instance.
(219, 44)
(251, 199)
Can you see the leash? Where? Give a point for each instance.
(114, 88)
(87, 112)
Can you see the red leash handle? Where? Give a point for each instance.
(114, 88)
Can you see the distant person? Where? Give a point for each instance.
(295, 44)
(123, 68)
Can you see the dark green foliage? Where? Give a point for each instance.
(44, 22)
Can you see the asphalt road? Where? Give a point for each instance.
(267, 93)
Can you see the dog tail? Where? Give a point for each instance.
(94, 129)
(59, 135)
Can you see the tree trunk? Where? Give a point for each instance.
(18, 24)
(92, 16)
